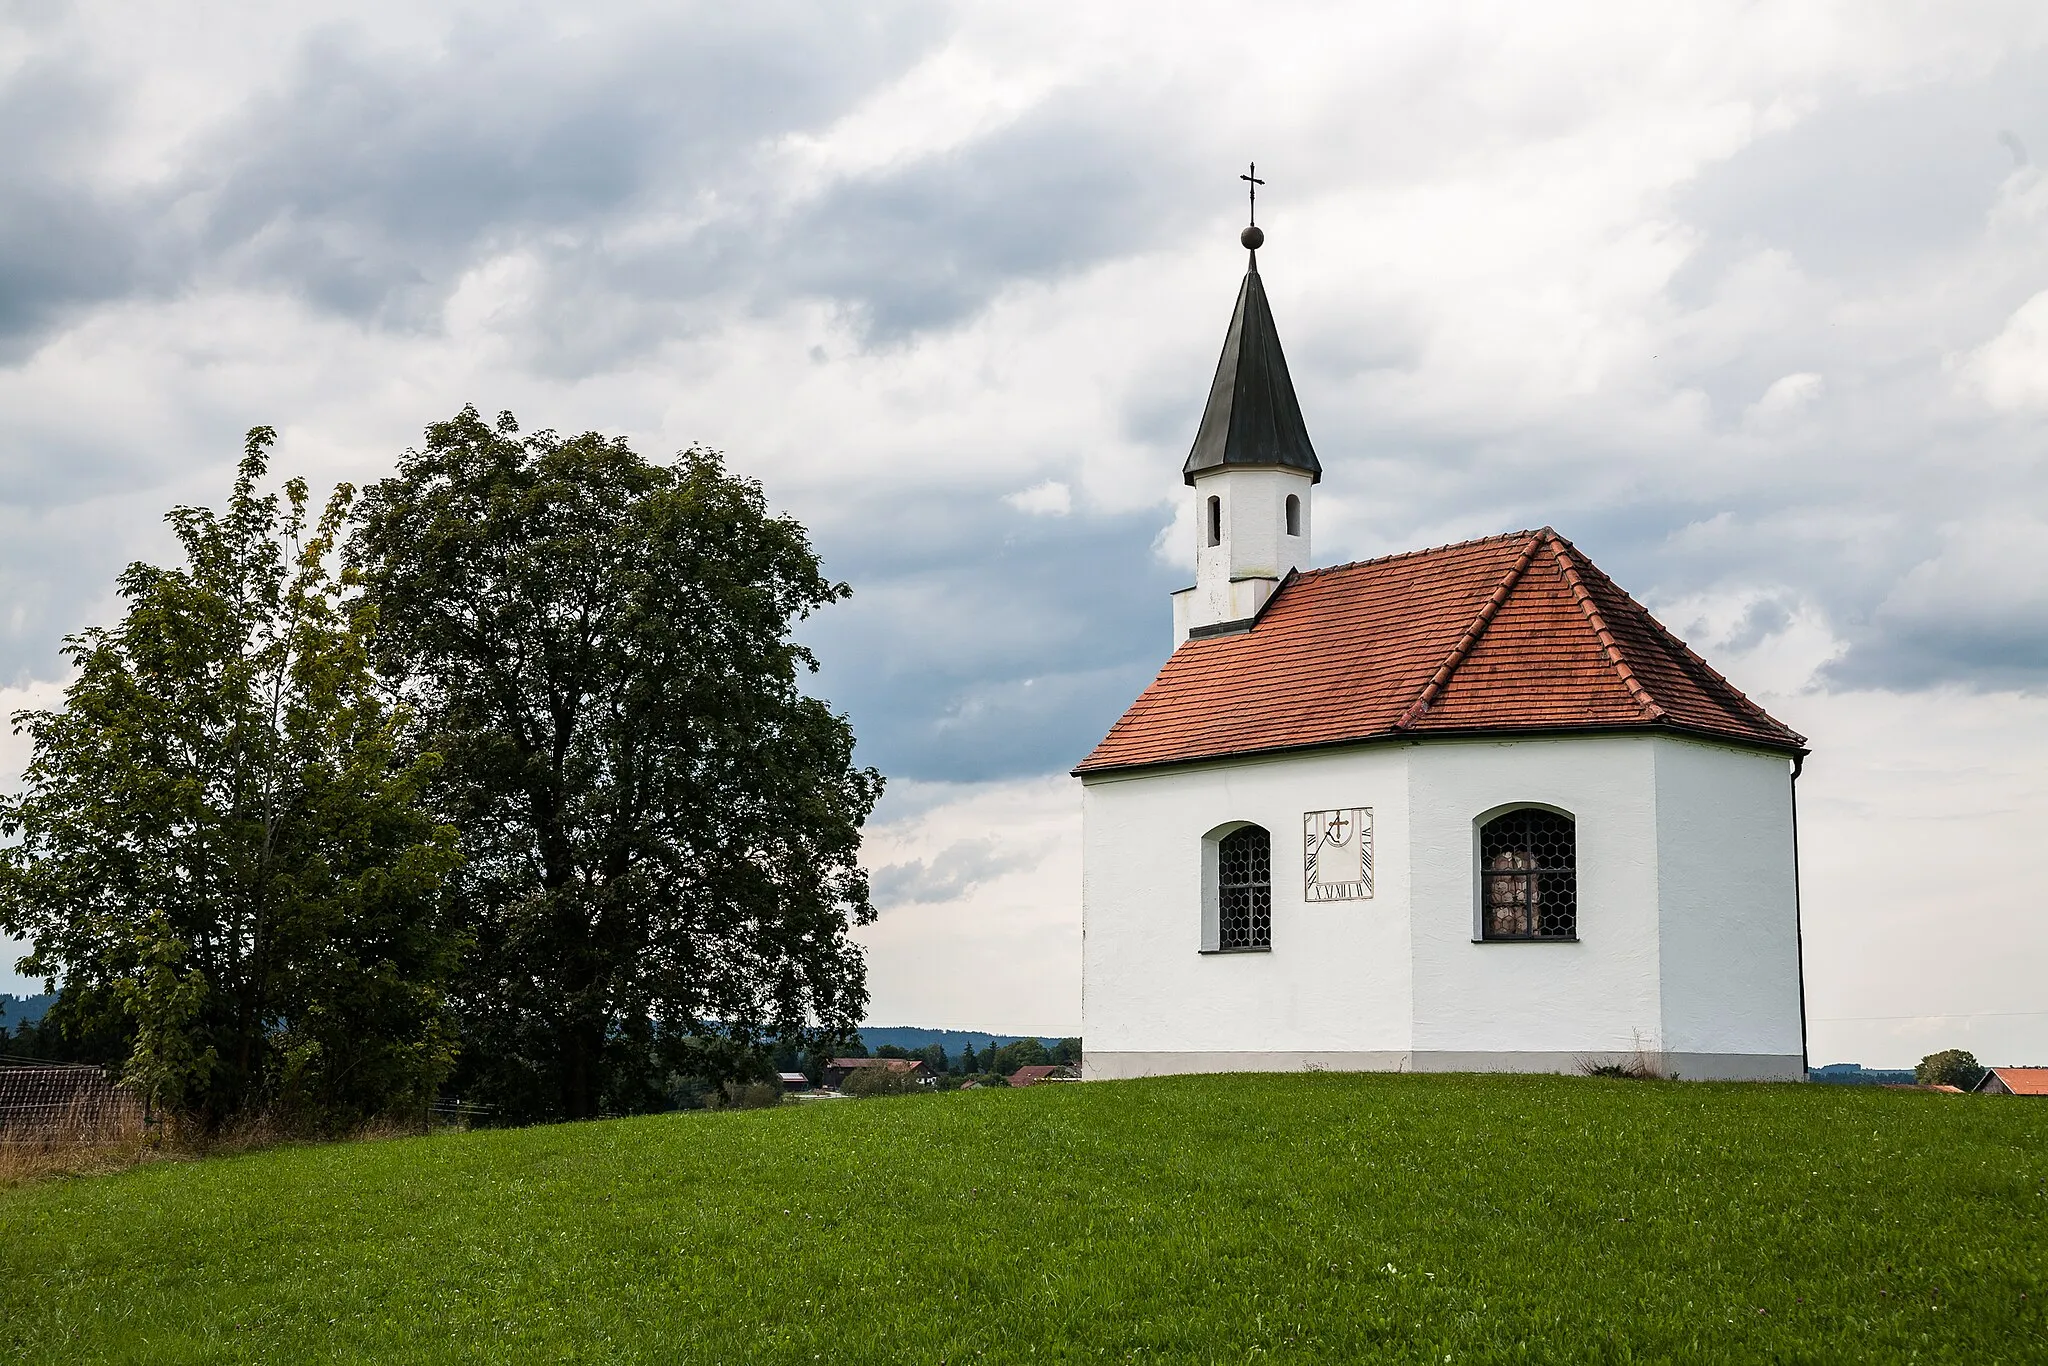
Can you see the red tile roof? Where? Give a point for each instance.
(2023, 1081)
(1037, 1072)
(890, 1064)
(1511, 633)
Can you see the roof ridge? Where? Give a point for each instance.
(1427, 550)
(1434, 688)
(1402, 648)
(1568, 564)
(1670, 638)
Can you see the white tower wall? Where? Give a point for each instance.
(1235, 575)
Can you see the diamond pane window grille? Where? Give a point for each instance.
(1244, 889)
(1528, 862)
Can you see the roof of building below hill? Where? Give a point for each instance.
(891, 1064)
(1511, 634)
(1038, 1072)
(2019, 1081)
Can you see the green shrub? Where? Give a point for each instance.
(1950, 1067)
(878, 1081)
(744, 1095)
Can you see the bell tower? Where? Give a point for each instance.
(1250, 472)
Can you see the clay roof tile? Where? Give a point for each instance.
(2024, 1081)
(1512, 633)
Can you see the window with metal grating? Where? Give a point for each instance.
(1244, 889)
(1528, 861)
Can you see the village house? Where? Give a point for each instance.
(1038, 1072)
(2013, 1081)
(837, 1070)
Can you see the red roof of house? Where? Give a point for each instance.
(2023, 1081)
(1511, 633)
(1036, 1072)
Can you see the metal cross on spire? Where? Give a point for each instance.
(1254, 236)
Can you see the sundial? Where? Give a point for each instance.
(1337, 854)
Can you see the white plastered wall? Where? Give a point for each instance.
(1234, 577)
(1335, 985)
(1725, 864)
(1535, 1005)
(1687, 933)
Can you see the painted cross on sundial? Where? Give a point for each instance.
(1337, 828)
(1253, 186)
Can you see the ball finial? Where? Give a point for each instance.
(1253, 237)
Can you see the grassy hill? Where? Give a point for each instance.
(1311, 1218)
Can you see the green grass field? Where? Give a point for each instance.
(1276, 1218)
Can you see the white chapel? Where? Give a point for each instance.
(1468, 808)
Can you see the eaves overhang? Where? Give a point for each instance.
(1408, 737)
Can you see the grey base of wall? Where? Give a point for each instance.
(1687, 1066)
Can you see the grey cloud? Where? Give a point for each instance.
(374, 178)
(1974, 612)
(962, 664)
(906, 249)
(1074, 182)
(953, 872)
(65, 240)
(1874, 183)
(1766, 617)
(57, 576)
(633, 173)
(370, 178)
(1999, 654)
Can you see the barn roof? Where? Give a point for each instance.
(1511, 634)
(2020, 1081)
(1034, 1073)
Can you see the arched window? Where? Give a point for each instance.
(1529, 879)
(1293, 515)
(1215, 515)
(1244, 889)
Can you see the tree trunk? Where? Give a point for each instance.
(582, 1049)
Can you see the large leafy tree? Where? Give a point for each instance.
(221, 848)
(660, 828)
(1950, 1067)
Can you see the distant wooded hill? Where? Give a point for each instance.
(15, 1010)
(910, 1038)
(1855, 1074)
(19, 1010)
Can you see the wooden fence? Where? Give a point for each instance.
(41, 1101)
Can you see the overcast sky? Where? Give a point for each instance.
(1752, 304)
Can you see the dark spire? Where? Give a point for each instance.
(1252, 417)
